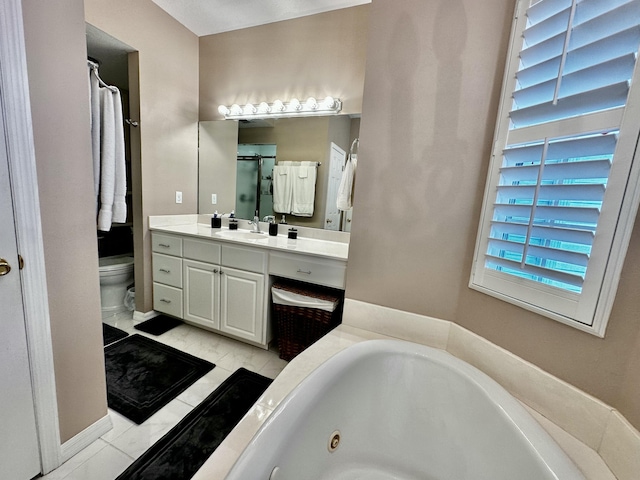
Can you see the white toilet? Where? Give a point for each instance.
(116, 274)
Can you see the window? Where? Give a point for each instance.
(562, 190)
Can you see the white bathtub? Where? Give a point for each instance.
(403, 412)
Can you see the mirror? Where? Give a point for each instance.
(236, 160)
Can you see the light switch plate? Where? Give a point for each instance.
(214, 199)
(178, 197)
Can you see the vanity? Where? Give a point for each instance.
(220, 279)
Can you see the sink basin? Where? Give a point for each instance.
(242, 235)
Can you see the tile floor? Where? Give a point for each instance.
(109, 456)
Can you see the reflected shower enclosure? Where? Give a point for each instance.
(254, 187)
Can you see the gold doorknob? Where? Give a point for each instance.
(5, 268)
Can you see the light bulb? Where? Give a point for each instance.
(294, 104)
(249, 109)
(264, 108)
(278, 106)
(311, 103)
(329, 102)
(235, 109)
(223, 110)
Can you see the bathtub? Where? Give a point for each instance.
(387, 409)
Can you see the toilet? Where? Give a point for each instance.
(116, 275)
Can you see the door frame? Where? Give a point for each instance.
(26, 206)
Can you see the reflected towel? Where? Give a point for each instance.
(282, 188)
(345, 190)
(304, 190)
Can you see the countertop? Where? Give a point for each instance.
(328, 249)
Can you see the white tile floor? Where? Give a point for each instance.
(110, 455)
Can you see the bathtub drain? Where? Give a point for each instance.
(334, 441)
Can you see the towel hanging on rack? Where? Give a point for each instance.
(294, 188)
(107, 136)
(345, 190)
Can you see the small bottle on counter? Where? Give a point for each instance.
(273, 227)
(293, 233)
(216, 221)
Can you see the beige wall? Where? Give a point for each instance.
(56, 60)
(167, 56)
(317, 56)
(433, 79)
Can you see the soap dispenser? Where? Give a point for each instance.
(273, 227)
(216, 221)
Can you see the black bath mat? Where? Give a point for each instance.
(183, 450)
(158, 325)
(144, 375)
(112, 334)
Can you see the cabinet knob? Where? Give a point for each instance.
(215, 270)
(164, 300)
(164, 270)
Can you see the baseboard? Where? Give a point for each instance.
(85, 438)
(141, 317)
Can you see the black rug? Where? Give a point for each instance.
(144, 375)
(112, 334)
(183, 450)
(158, 325)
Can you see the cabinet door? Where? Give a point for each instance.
(242, 304)
(201, 293)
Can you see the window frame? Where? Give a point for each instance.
(616, 220)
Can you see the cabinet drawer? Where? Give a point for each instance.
(308, 269)
(167, 300)
(167, 270)
(167, 244)
(250, 259)
(204, 251)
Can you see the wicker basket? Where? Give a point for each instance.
(299, 327)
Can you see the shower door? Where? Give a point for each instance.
(254, 171)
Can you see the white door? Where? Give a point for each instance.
(337, 157)
(19, 454)
(242, 304)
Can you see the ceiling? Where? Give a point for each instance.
(206, 17)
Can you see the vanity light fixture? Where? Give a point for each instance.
(278, 109)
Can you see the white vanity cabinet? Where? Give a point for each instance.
(224, 286)
(201, 293)
(219, 287)
(167, 274)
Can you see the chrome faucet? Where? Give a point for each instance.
(256, 224)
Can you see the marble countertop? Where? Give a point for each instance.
(329, 249)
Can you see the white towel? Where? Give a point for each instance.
(120, 180)
(282, 188)
(345, 190)
(304, 189)
(94, 89)
(108, 160)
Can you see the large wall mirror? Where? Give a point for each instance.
(237, 160)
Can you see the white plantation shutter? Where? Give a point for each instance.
(555, 219)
